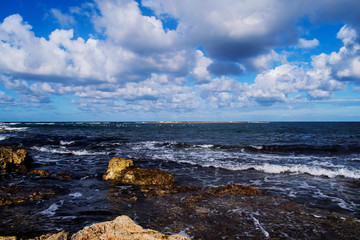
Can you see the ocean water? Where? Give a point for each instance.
(313, 163)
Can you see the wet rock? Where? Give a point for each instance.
(241, 212)
(64, 176)
(121, 228)
(8, 238)
(14, 159)
(40, 172)
(15, 194)
(56, 236)
(116, 168)
(121, 170)
(139, 176)
(152, 190)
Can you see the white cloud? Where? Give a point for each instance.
(5, 99)
(65, 20)
(303, 43)
(200, 71)
(125, 25)
(140, 65)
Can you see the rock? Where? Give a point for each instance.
(14, 159)
(139, 176)
(8, 238)
(40, 172)
(122, 228)
(64, 176)
(121, 170)
(150, 190)
(15, 194)
(116, 168)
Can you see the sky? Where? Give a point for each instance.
(179, 60)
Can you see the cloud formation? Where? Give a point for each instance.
(140, 64)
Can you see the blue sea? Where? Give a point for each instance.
(312, 163)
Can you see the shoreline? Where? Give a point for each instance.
(231, 211)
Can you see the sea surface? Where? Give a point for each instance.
(312, 163)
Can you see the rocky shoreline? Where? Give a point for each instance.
(183, 212)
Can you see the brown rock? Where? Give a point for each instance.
(14, 159)
(40, 172)
(122, 228)
(139, 176)
(121, 170)
(53, 236)
(8, 238)
(116, 168)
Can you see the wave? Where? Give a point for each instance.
(66, 142)
(3, 138)
(266, 149)
(14, 128)
(333, 172)
(82, 152)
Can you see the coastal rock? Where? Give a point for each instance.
(8, 238)
(121, 170)
(116, 168)
(139, 176)
(52, 236)
(14, 159)
(40, 172)
(121, 228)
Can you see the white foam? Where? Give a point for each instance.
(257, 147)
(3, 138)
(65, 151)
(66, 142)
(259, 226)
(75, 194)
(52, 209)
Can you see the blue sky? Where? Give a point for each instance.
(163, 60)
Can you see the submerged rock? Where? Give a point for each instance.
(15, 194)
(64, 176)
(14, 159)
(121, 228)
(121, 170)
(40, 172)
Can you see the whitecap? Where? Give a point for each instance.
(3, 138)
(75, 194)
(66, 142)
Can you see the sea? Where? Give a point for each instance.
(312, 163)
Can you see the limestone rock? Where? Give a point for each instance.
(12, 158)
(116, 168)
(121, 170)
(139, 176)
(122, 228)
(53, 236)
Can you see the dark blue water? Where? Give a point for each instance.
(311, 163)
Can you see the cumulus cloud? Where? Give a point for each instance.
(139, 64)
(304, 43)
